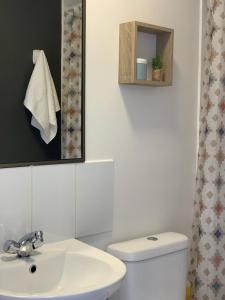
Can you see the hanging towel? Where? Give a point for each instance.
(41, 99)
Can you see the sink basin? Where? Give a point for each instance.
(68, 270)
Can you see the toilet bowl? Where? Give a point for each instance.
(156, 267)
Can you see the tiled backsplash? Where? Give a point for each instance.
(45, 197)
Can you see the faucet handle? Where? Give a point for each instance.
(11, 247)
(39, 235)
(38, 239)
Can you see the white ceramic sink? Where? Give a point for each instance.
(65, 270)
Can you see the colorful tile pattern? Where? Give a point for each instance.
(72, 83)
(207, 263)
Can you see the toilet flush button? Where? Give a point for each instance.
(152, 238)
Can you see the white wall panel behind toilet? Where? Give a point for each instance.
(94, 197)
(15, 194)
(53, 207)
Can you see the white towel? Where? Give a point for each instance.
(41, 99)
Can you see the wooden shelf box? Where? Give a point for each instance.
(128, 52)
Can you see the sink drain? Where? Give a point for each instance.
(152, 238)
(33, 269)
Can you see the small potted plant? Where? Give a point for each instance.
(157, 68)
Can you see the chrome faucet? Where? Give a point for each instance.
(25, 246)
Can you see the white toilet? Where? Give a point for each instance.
(156, 267)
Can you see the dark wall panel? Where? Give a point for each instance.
(26, 25)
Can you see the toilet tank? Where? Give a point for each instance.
(156, 267)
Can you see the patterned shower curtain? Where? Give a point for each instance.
(72, 83)
(207, 267)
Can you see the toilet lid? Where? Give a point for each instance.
(149, 246)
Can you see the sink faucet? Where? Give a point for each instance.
(25, 246)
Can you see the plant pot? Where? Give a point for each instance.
(156, 75)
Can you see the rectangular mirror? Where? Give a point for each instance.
(58, 28)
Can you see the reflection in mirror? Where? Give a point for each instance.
(71, 79)
(57, 27)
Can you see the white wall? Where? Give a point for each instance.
(150, 133)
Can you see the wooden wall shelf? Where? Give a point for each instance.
(128, 52)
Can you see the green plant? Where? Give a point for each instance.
(157, 63)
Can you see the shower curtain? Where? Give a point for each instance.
(72, 83)
(207, 267)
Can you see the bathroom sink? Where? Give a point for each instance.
(65, 270)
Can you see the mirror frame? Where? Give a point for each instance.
(75, 160)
